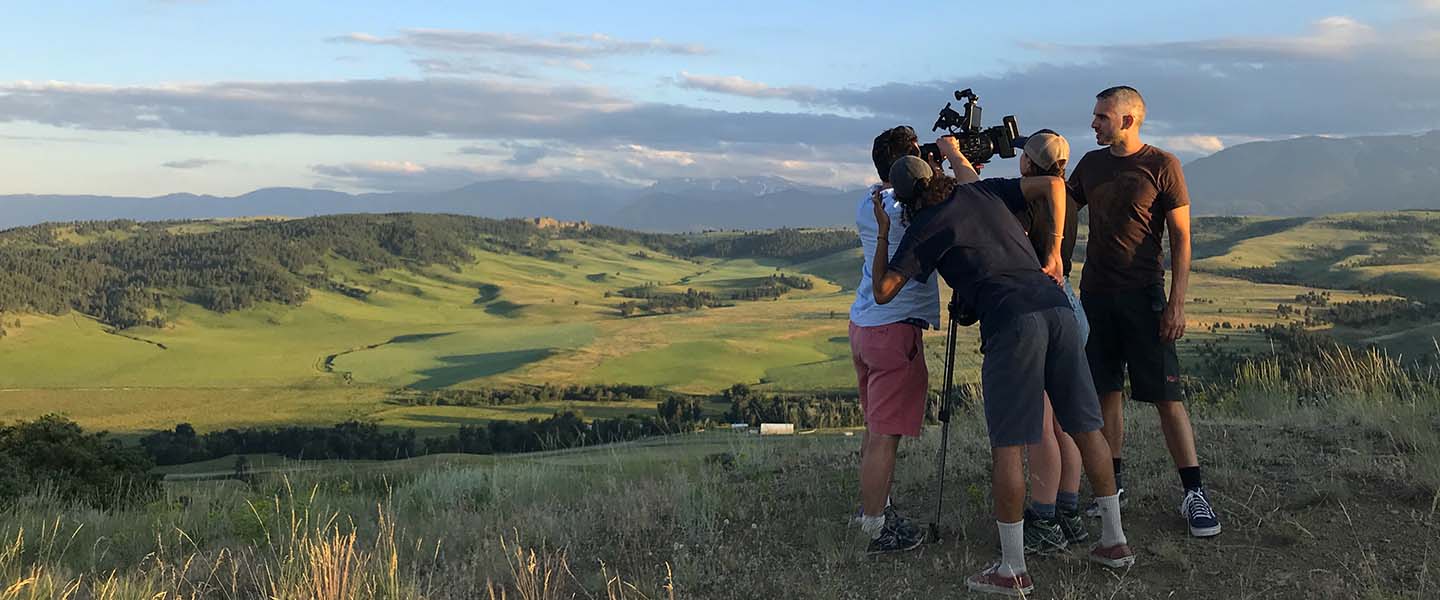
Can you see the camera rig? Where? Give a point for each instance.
(977, 143)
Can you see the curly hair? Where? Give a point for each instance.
(934, 190)
(889, 146)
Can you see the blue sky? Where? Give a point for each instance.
(146, 97)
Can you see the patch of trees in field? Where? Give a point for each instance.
(54, 454)
(1369, 313)
(528, 395)
(651, 300)
(654, 302)
(806, 411)
(797, 244)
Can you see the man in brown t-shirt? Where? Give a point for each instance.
(1134, 192)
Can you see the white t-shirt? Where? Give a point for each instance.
(915, 300)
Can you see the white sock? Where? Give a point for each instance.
(1012, 548)
(1111, 533)
(872, 525)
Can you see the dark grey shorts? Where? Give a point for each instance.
(1035, 353)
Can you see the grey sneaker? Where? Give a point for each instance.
(1043, 536)
(898, 535)
(1072, 525)
(1093, 511)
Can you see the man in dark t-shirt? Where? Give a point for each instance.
(1029, 336)
(1134, 192)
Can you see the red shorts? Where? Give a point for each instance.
(890, 363)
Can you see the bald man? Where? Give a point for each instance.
(1135, 192)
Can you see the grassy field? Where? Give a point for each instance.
(1327, 479)
(508, 319)
(1333, 500)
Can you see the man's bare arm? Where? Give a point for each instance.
(1047, 195)
(884, 283)
(1172, 323)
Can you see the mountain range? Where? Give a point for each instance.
(1294, 177)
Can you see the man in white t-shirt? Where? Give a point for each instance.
(889, 356)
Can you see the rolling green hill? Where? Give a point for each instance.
(339, 311)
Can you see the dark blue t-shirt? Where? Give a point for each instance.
(977, 245)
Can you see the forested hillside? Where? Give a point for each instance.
(127, 273)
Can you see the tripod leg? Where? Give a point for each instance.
(946, 395)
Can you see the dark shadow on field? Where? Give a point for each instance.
(504, 308)
(1215, 236)
(417, 337)
(487, 292)
(465, 367)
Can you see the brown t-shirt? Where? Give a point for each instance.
(1128, 197)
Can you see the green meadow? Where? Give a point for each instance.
(510, 319)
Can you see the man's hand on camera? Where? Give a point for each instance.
(882, 218)
(950, 148)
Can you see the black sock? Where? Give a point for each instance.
(1119, 468)
(1190, 477)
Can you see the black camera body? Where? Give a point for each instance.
(977, 143)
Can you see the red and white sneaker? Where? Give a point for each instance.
(1118, 556)
(992, 581)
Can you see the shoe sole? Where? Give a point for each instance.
(985, 588)
(1114, 563)
(1205, 532)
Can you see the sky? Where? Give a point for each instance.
(150, 97)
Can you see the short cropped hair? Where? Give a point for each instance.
(890, 146)
(1128, 98)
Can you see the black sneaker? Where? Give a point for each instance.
(898, 535)
(1072, 525)
(1043, 536)
(1093, 511)
(1199, 514)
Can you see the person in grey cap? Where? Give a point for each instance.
(1029, 336)
(1053, 519)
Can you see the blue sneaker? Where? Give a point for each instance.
(1199, 514)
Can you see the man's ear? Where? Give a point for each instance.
(1127, 121)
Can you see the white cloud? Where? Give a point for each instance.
(491, 43)
(734, 85)
(191, 163)
(456, 108)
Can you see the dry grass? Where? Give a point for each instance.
(1325, 477)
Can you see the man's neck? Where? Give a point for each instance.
(1126, 147)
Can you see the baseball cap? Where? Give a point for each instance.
(1044, 147)
(906, 176)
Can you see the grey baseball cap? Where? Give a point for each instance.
(906, 175)
(1044, 147)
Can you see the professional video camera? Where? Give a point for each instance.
(977, 144)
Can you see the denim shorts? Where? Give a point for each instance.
(1079, 309)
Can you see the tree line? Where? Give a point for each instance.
(532, 394)
(354, 440)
